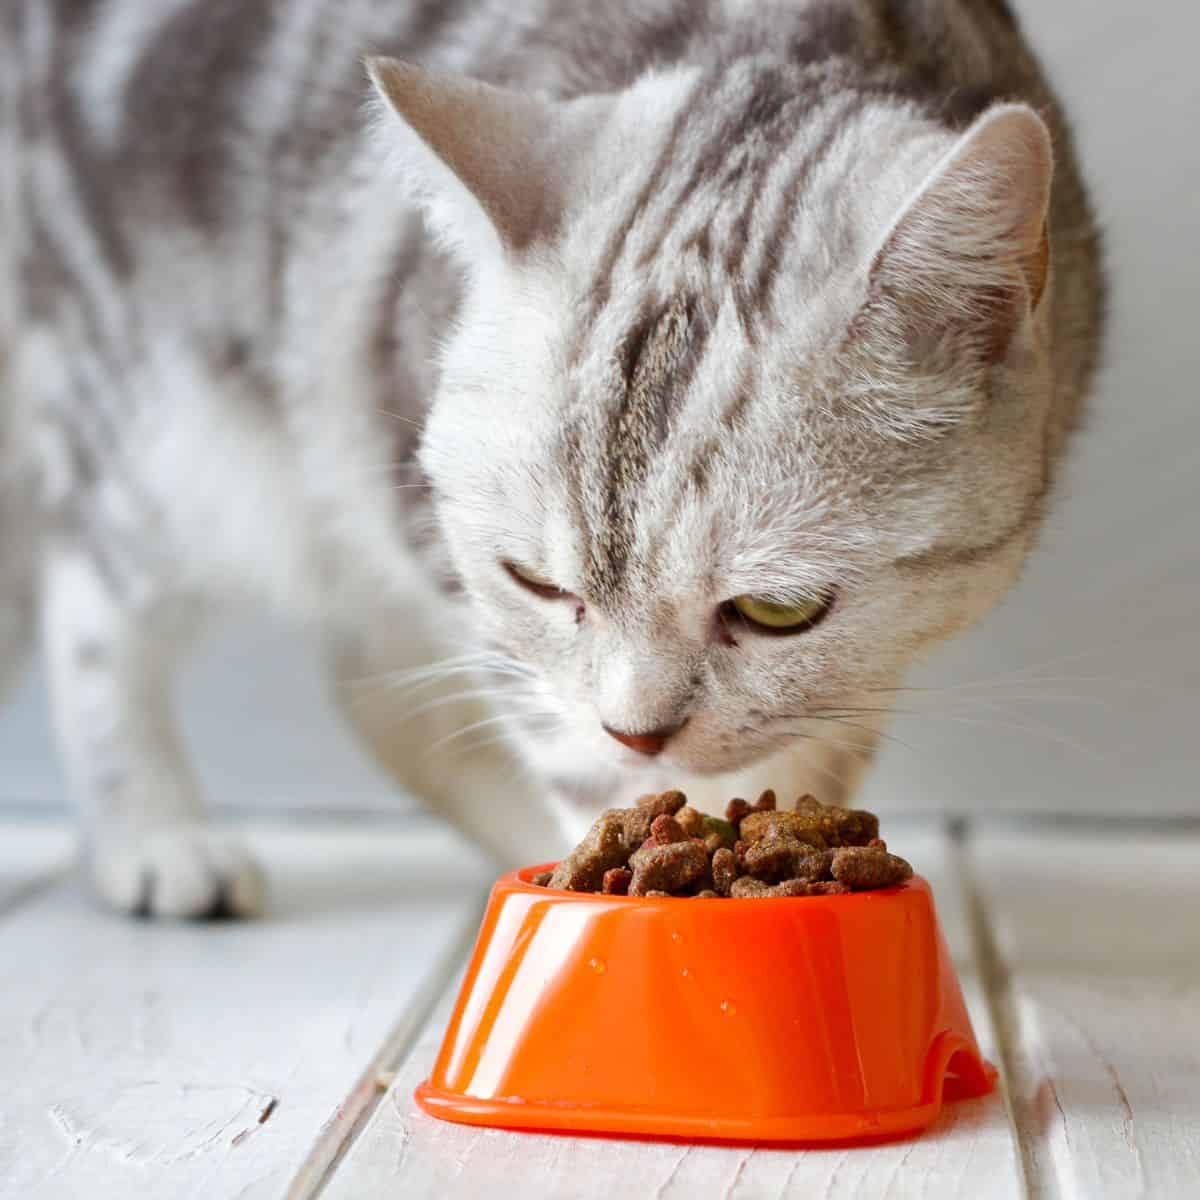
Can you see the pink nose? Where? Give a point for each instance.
(650, 743)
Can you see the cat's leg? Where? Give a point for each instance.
(440, 744)
(111, 659)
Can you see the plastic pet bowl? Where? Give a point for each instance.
(807, 1019)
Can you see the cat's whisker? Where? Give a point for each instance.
(1033, 673)
(824, 770)
(395, 416)
(517, 719)
(819, 715)
(504, 736)
(485, 662)
(804, 735)
(397, 680)
(367, 692)
(463, 697)
(1048, 733)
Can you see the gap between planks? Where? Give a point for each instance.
(993, 989)
(339, 1136)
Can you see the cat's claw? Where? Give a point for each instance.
(178, 871)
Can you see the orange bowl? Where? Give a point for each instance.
(806, 1019)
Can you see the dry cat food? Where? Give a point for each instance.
(664, 847)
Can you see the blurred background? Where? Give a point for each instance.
(1081, 695)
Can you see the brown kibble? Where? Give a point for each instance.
(749, 888)
(616, 881)
(760, 825)
(735, 810)
(662, 802)
(638, 821)
(664, 847)
(826, 887)
(724, 870)
(603, 847)
(791, 887)
(664, 829)
(838, 826)
(708, 894)
(669, 868)
(635, 827)
(777, 858)
(865, 868)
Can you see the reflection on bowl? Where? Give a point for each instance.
(824, 1018)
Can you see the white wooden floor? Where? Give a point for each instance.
(278, 1058)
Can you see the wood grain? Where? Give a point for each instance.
(34, 855)
(206, 1060)
(1097, 940)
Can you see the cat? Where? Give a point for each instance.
(638, 386)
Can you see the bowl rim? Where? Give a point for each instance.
(519, 881)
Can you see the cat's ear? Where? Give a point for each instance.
(969, 253)
(487, 163)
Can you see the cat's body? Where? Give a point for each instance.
(220, 326)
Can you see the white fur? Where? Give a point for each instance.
(276, 485)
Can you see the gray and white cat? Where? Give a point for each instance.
(686, 368)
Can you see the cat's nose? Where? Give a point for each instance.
(651, 742)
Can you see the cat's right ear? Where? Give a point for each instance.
(491, 167)
(970, 253)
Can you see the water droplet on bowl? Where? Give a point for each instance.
(685, 973)
(729, 1008)
(676, 937)
(598, 965)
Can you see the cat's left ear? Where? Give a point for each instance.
(969, 253)
(488, 164)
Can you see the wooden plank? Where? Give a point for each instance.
(1098, 938)
(971, 1151)
(33, 856)
(202, 1060)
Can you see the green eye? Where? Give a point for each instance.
(780, 618)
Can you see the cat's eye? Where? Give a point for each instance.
(532, 583)
(770, 617)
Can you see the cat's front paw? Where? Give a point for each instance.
(177, 871)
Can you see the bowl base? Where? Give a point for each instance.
(956, 1073)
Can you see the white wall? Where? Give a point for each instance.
(1083, 692)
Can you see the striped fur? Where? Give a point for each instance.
(707, 298)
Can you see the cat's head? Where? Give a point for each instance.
(745, 406)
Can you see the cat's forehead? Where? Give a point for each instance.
(678, 445)
(620, 436)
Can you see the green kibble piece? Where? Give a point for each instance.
(724, 829)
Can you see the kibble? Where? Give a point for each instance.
(669, 868)
(662, 846)
(616, 881)
(864, 868)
